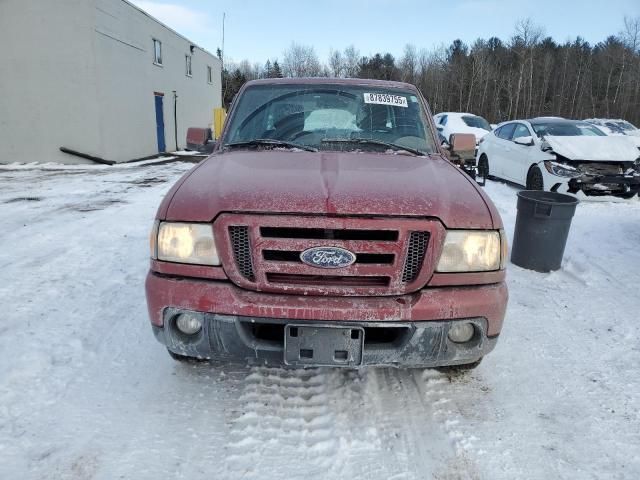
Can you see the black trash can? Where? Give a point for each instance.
(542, 228)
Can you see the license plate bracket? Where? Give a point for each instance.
(323, 345)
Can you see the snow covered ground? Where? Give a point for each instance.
(87, 393)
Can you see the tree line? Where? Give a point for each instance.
(528, 75)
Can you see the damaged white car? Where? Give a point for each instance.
(559, 155)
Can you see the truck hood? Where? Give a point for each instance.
(330, 183)
(601, 149)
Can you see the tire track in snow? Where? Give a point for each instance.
(404, 416)
(309, 424)
(360, 445)
(435, 388)
(285, 423)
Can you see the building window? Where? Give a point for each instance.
(209, 74)
(188, 64)
(157, 52)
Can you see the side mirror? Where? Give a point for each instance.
(526, 141)
(439, 128)
(463, 145)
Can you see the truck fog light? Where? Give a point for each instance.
(188, 323)
(461, 332)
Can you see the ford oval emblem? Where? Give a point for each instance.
(328, 257)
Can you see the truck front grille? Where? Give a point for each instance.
(262, 252)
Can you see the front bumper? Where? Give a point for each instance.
(261, 341)
(595, 185)
(423, 317)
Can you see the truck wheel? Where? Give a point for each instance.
(185, 359)
(534, 179)
(459, 368)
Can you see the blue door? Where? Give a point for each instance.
(162, 147)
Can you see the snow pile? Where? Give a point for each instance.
(86, 392)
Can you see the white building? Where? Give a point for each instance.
(97, 77)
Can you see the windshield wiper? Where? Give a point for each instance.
(270, 141)
(371, 141)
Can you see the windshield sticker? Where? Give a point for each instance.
(386, 99)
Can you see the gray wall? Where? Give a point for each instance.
(80, 74)
(47, 80)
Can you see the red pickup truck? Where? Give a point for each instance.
(328, 229)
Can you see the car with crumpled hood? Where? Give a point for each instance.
(328, 229)
(560, 155)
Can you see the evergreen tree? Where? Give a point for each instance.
(233, 82)
(276, 72)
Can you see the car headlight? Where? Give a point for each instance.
(472, 251)
(561, 170)
(184, 243)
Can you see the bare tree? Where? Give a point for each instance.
(409, 64)
(523, 43)
(336, 63)
(301, 61)
(351, 61)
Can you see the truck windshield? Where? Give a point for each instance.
(330, 117)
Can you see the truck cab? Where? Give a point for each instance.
(328, 229)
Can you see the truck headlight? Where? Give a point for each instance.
(471, 251)
(184, 243)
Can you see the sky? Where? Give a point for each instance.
(258, 30)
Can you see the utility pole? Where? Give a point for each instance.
(224, 14)
(222, 82)
(175, 116)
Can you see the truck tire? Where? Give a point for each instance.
(459, 368)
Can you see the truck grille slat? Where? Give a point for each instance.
(332, 280)
(294, 256)
(242, 251)
(394, 256)
(329, 234)
(415, 256)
